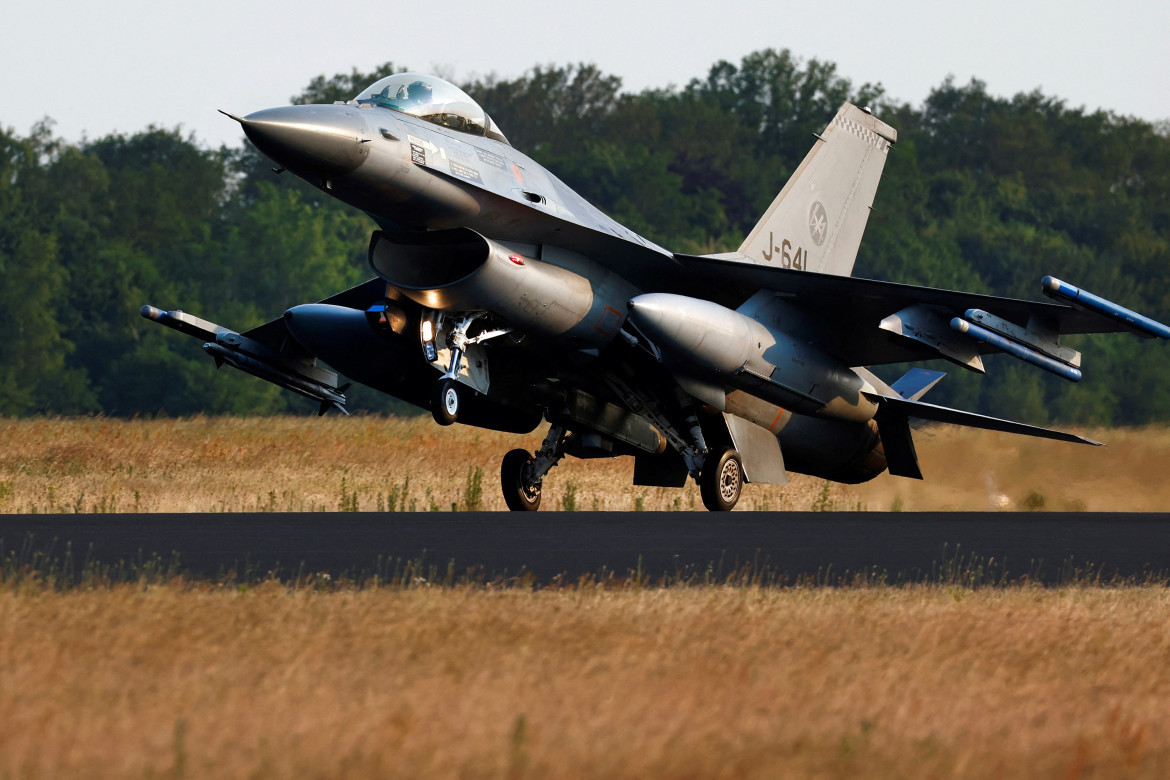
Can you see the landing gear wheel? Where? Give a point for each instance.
(721, 480)
(445, 401)
(517, 495)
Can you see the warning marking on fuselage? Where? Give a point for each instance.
(491, 158)
(465, 171)
(609, 321)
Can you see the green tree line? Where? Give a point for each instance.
(981, 193)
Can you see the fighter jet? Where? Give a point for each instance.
(500, 298)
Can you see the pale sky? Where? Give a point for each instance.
(121, 65)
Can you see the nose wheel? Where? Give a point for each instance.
(446, 401)
(721, 480)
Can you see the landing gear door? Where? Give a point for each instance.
(759, 449)
(473, 364)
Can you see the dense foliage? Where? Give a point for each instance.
(981, 193)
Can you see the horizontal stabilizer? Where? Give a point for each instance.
(924, 411)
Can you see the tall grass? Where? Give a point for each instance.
(175, 679)
(367, 464)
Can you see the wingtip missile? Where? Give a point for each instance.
(1082, 299)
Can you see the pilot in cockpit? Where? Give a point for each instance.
(419, 92)
(431, 99)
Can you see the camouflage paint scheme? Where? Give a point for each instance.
(501, 298)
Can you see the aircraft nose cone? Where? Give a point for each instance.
(326, 140)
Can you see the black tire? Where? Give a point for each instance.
(446, 400)
(518, 496)
(721, 480)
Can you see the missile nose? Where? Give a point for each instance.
(324, 140)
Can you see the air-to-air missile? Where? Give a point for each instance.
(298, 373)
(1082, 299)
(1018, 347)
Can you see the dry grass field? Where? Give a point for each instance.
(161, 677)
(206, 464)
(180, 680)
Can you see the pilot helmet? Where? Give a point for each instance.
(419, 92)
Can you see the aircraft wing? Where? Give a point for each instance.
(269, 351)
(870, 322)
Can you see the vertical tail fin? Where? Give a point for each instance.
(816, 222)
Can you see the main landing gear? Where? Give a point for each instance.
(522, 474)
(721, 480)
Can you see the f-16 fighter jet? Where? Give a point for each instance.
(501, 298)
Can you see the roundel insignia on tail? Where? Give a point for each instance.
(818, 223)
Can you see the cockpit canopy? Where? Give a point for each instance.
(433, 99)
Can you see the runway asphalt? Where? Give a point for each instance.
(826, 547)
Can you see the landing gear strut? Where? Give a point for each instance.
(450, 392)
(721, 479)
(521, 474)
(445, 398)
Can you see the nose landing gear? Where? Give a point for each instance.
(446, 401)
(466, 369)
